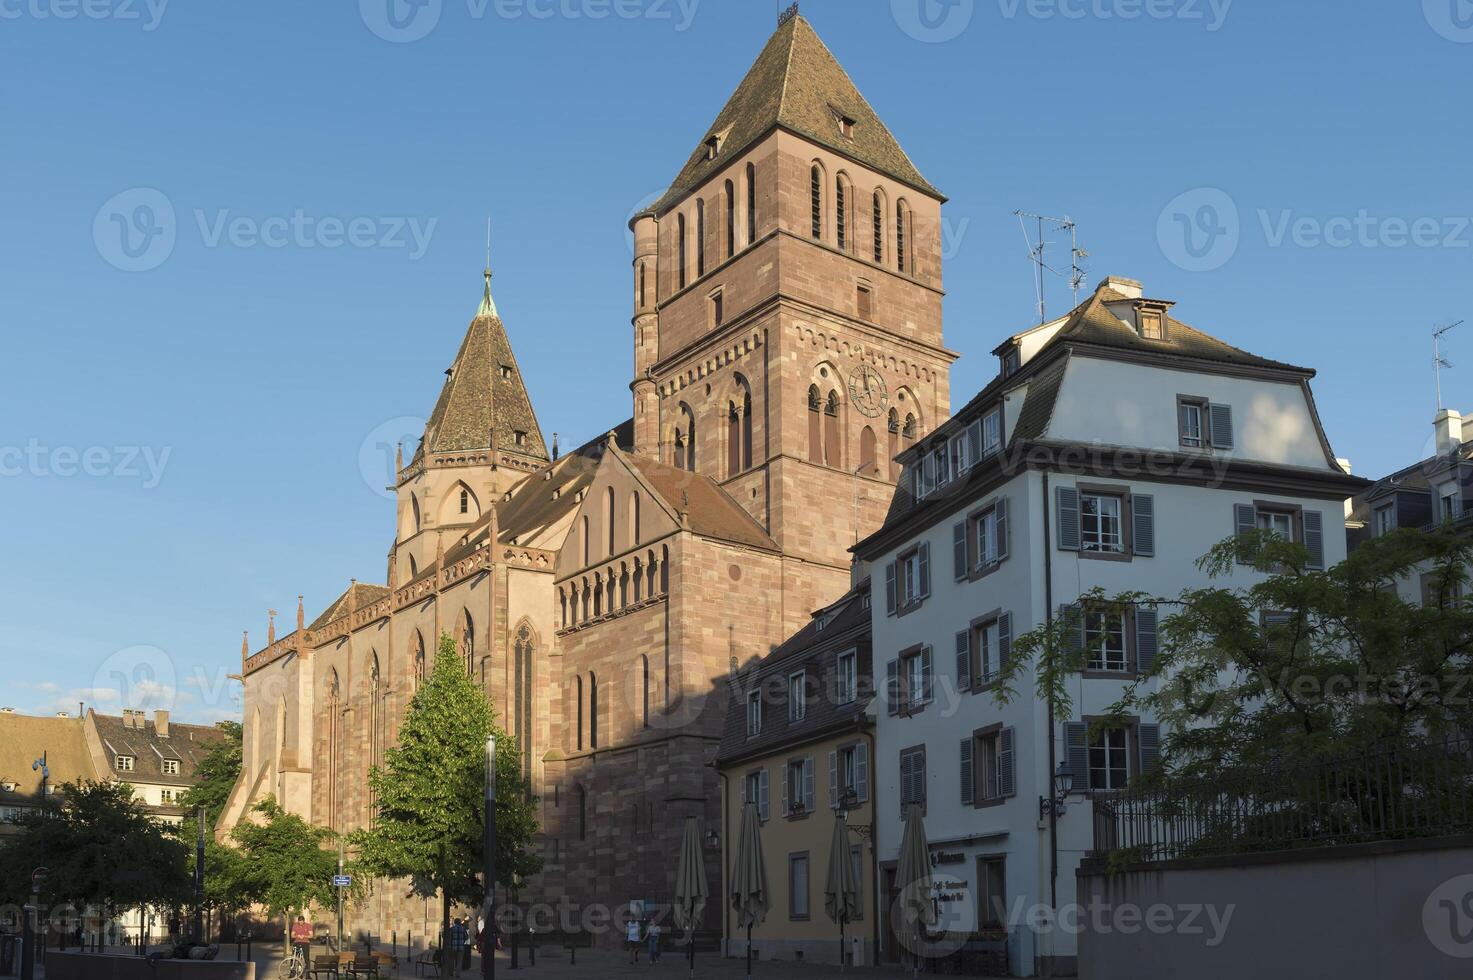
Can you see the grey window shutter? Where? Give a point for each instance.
(1245, 520)
(1007, 779)
(964, 660)
(1143, 524)
(1220, 421)
(966, 771)
(1146, 645)
(892, 687)
(974, 440)
(1004, 640)
(959, 549)
(808, 784)
(924, 560)
(1076, 753)
(1314, 538)
(1068, 508)
(890, 589)
(926, 675)
(834, 780)
(1002, 528)
(762, 793)
(1073, 617)
(1148, 738)
(744, 795)
(787, 778)
(861, 772)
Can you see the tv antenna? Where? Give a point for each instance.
(1438, 361)
(1038, 251)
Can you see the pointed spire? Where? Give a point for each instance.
(270, 626)
(488, 305)
(301, 615)
(398, 459)
(245, 645)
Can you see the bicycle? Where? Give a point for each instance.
(294, 967)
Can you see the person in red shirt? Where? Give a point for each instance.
(302, 938)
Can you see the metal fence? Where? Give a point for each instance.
(1390, 793)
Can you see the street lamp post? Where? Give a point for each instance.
(199, 880)
(488, 858)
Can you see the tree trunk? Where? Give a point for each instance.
(445, 951)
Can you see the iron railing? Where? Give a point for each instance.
(1395, 792)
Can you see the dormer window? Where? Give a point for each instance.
(520, 438)
(1153, 324)
(846, 126)
(1011, 361)
(123, 763)
(171, 767)
(713, 146)
(506, 371)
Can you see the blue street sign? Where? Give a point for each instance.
(342, 881)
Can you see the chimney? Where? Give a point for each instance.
(1449, 428)
(1129, 288)
(161, 723)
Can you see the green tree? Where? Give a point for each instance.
(284, 863)
(430, 794)
(101, 848)
(216, 774)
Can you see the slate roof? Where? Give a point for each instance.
(846, 627)
(480, 397)
(797, 84)
(711, 511)
(355, 596)
(187, 744)
(23, 738)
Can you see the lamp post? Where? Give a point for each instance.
(199, 879)
(488, 858)
(1063, 786)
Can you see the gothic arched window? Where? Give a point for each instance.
(610, 517)
(815, 200)
(730, 219)
(867, 452)
(681, 248)
(878, 220)
(685, 440)
(815, 425)
(902, 221)
(645, 692)
(751, 203)
(700, 238)
(841, 219)
(525, 652)
(832, 452)
(592, 710)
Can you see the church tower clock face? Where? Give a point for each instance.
(867, 391)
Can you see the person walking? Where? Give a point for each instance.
(631, 939)
(455, 947)
(652, 932)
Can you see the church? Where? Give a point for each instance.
(786, 296)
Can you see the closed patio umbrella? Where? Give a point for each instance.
(841, 894)
(913, 875)
(749, 877)
(690, 886)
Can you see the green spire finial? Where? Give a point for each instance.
(488, 305)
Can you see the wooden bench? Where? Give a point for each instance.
(428, 960)
(324, 966)
(570, 942)
(363, 965)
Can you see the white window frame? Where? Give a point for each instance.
(961, 461)
(985, 530)
(988, 648)
(1183, 409)
(1278, 522)
(1384, 519)
(1450, 502)
(1100, 542)
(1097, 622)
(754, 713)
(171, 767)
(910, 578)
(992, 433)
(846, 677)
(989, 786)
(124, 763)
(797, 696)
(940, 456)
(1103, 756)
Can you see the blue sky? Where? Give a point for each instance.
(186, 446)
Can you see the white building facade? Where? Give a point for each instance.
(1115, 448)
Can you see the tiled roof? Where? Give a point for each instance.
(846, 626)
(710, 510)
(186, 744)
(355, 596)
(484, 393)
(23, 738)
(798, 84)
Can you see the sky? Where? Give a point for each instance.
(240, 243)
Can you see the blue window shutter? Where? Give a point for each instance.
(890, 589)
(964, 660)
(1004, 640)
(1245, 520)
(861, 772)
(762, 793)
(834, 780)
(1007, 778)
(966, 771)
(1148, 738)
(959, 550)
(1002, 528)
(1220, 421)
(892, 687)
(1146, 644)
(1076, 753)
(1068, 508)
(1143, 524)
(1314, 538)
(924, 560)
